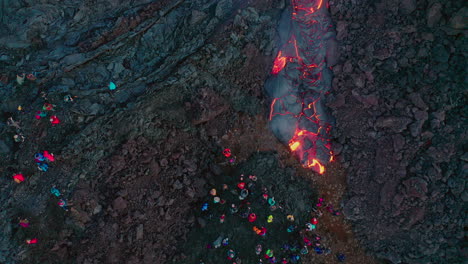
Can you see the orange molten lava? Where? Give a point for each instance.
(294, 145)
(320, 4)
(279, 63)
(304, 143)
(307, 10)
(314, 163)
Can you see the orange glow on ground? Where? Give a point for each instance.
(320, 4)
(272, 107)
(294, 145)
(307, 156)
(316, 163)
(304, 144)
(307, 10)
(279, 63)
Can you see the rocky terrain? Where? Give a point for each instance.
(134, 163)
(399, 98)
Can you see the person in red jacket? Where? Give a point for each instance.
(252, 217)
(48, 107)
(18, 178)
(24, 223)
(31, 241)
(54, 120)
(48, 156)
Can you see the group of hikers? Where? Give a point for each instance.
(42, 159)
(239, 204)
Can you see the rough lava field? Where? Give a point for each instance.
(119, 118)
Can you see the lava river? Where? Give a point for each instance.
(300, 78)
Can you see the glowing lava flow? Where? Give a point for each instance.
(300, 79)
(278, 64)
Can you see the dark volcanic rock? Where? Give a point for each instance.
(458, 20)
(132, 162)
(4, 148)
(139, 151)
(405, 182)
(440, 54)
(434, 14)
(396, 124)
(119, 204)
(408, 6)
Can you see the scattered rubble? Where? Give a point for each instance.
(402, 151)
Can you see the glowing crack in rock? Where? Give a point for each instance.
(300, 78)
(278, 64)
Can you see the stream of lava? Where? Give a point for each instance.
(299, 81)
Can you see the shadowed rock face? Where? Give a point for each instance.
(299, 80)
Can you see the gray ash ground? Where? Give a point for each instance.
(134, 163)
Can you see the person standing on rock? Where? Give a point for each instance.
(18, 138)
(31, 241)
(42, 166)
(68, 98)
(40, 114)
(13, 123)
(252, 217)
(231, 254)
(20, 78)
(63, 204)
(258, 249)
(54, 120)
(49, 156)
(48, 107)
(18, 178)
(24, 223)
(55, 191)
